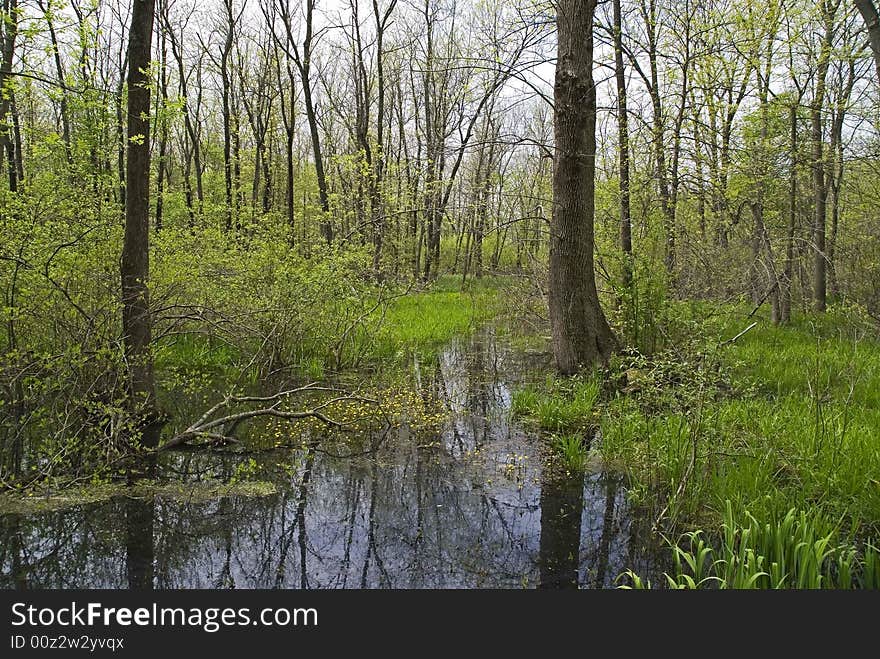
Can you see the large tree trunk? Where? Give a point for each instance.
(872, 21)
(9, 33)
(135, 265)
(581, 335)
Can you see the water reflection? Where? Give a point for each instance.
(466, 507)
(562, 501)
(139, 547)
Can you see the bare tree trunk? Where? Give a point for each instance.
(836, 169)
(581, 335)
(59, 72)
(765, 282)
(649, 14)
(162, 165)
(9, 27)
(820, 190)
(192, 149)
(622, 149)
(258, 102)
(16, 138)
(304, 64)
(698, 165)
(229, 118)
(135, 264)
(236, 160)
(121, 146)
(872, 21)
(288, 116)
(482, 211)
(378, 173)
(788, 268)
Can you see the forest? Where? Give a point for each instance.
(439, 293)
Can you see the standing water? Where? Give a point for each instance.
(467, 506)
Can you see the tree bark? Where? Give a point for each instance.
(305, 65)
(135, 264)
(622, 149)
(226, 79)
(581, 335)
(649, 14)
(788, 269)
(820, 190)
(836, 169)
(162, 133)
(9, 33)
(872, 22)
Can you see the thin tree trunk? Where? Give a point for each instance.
(16, 138)
(226, 93)
(657, 129)
(162, 165)
(788, 269)
(836, 169)
(121, 146)
(192, 150)
(818, 159)
(622, 149)
(59, 72)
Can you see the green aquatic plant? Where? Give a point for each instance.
(797, 550)
(573, 451)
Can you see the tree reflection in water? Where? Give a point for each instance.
(465, 506)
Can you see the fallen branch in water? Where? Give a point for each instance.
(209, 426)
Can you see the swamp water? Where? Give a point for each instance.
(468, 505)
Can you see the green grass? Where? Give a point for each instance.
(783, 418)
(424, 321)
(567, 410)
(417, 322)
(196, 352)
(524, 401)
(560, 405)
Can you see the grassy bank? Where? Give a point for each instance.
(377, 329)
(717, 434)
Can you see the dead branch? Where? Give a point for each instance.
(731, 340)
(206, 426)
